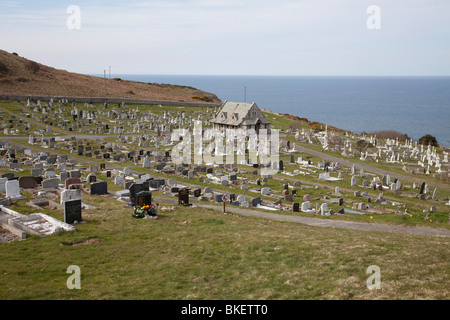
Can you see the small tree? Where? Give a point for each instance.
(428, 139)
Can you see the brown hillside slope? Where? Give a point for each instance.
(21, 76)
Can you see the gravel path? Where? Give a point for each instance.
(318, 222)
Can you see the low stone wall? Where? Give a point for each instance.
(107, 99)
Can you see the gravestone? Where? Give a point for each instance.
(50, 183)
(27, 182)
(13, 166)
(240, 198)
(119, 181)
(207, 190)
(91, 177)
(183, 197)
(75, 173)
(256, 201)
(12, 189)
(154, 184)
(135, 188)
(197, 192)
(323, 208)
(36, 172)
(434, 197)
(9, 175)
(305, 206)
(2, 184)
(146, 162)
(72, 211)
(99, 188)
(296, 207)
(70, 181)
(143, 198)
(307, 197)
(70, 194)
(63, 176)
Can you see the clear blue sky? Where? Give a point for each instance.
(232, 37)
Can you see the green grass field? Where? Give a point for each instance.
(195, 253)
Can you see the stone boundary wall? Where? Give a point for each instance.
(107, 99)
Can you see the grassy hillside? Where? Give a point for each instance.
(19, 75)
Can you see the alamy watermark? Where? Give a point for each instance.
(373, 22)
(74, 20)
(374, 281)
(230, 146)
(74, 281)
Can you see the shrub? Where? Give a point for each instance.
(428, 139)
(202, 98)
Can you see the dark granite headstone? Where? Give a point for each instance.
(135, 188)
(27, 182)
(99, 188)
(143, 198)
(183, 196)
(256, 201)
(154, 184)
(422, 188)
(8, 175)
(296, 207)
(72, 211)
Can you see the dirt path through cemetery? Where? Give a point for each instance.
(318, 222)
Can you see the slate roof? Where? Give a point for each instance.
(233, 114)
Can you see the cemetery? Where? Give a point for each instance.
(71, 163)
(119, 137)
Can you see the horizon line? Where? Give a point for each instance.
(268, 75)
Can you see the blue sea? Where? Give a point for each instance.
(411, 105)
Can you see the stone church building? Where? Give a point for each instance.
(239, 115)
